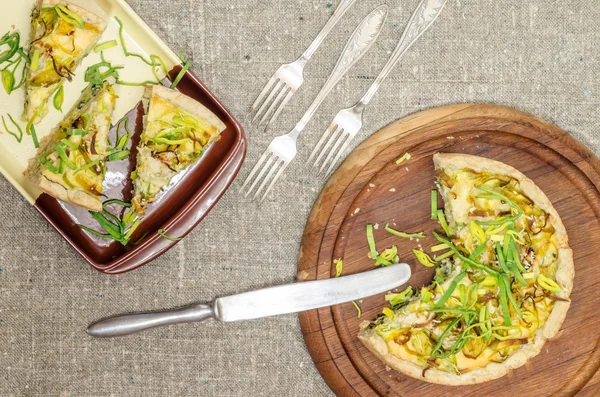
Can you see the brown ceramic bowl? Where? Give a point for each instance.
(178, 210)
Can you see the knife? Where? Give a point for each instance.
(290, 298)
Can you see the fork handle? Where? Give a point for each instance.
(358, 44)
(335, 18)
(426, 13)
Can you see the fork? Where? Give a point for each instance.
(348, 122)
(282, 149)
(288, 78)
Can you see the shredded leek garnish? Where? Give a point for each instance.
(477, 232)
(163, 234)
(399, 299)
(439, 247)
(405, 157)
(59, 98)
(424, 258)
(69, 16)
(18, 137)
(339, 265)
(444, 256)
(548, 284)
(118, 229)
(123, 154)
(105, 46)
(14, 57)
(434, 204)
(443, 223)
(388, 312)
(371, 242)
(402, 234)
(182, 72)
(358, 311)
(34, 137)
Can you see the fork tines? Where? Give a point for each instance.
(336, 134)
(271, 165)
(276, 94)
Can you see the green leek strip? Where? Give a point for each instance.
(69, 16)
(439, 247)
(132, 84)
(517, 273)
(438, 345)
(132, 229)
(434, 204)
(8, 81)
(450, 289)
(379, 260)
(162, 233)
(12, 41)
(180, 75)
(482, 321)
(515, 255)
(116, 220)
(59, 98)
(130, 216)
(510, 296)
(122, 142)
(503, 301)
(444, 255)
(19, 137)
(358, 311)
(95, 233)
(107, 225)
(371, 241)
(423, 258)
(150, 62)
(500, 256)
(87, 166)
(464, 258)
(506, 243)
(105, 46)
(69, 144)
(118, 155)
(61, 167)
(171, 142)
(60, 149)
(117, 202)
(402, 234)
(75, 131)
(443, 223)
(477, 253)
(66, 180)
(36, 143)
(477, 232)
(48, 165)
(35, 58)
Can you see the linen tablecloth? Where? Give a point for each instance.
(539, 56)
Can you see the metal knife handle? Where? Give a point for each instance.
(426, 13)
(131, 323)
(335, 18)
(359, 43)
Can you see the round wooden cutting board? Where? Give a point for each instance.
(370, 187)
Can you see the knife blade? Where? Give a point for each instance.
(272, 301)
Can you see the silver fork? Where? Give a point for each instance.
(348, 122)
(282, 149)
(288, 77)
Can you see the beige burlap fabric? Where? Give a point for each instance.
(538, 56)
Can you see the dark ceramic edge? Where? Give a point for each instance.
(184, 220)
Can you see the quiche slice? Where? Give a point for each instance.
(62, 34)
(70, 162)
(176, 132)
(501, 294)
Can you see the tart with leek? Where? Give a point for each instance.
(503, 291)
(62, 34)
(177, 131)
(70, 163)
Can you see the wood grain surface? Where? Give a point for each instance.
(370, 187)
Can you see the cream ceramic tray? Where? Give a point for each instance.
(181, 207)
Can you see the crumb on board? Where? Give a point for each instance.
(356, 211)
(406, 168)
(371, 185)
(376, 226)
(450, 137)
(392, 189)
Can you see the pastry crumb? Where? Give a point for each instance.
(356, 211)
(371, 185)
(393, 189)
(376, 226)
